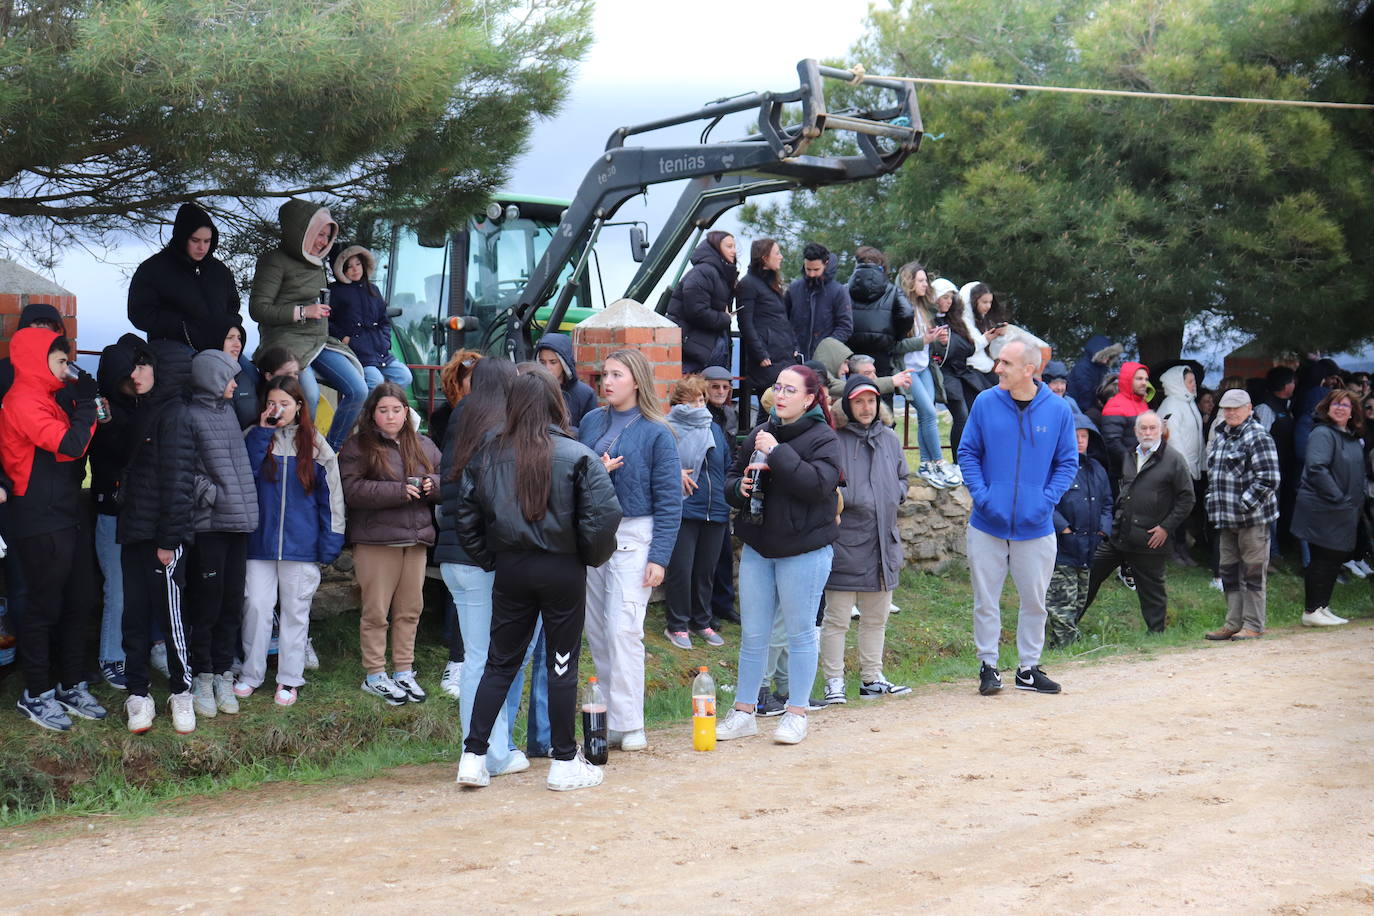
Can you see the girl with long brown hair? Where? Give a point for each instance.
(390, 479)
(300, 527)
(535, 508)
(639, 451)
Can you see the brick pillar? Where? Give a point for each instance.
(625, 324)
(19, 287)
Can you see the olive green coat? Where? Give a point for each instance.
(287, 277)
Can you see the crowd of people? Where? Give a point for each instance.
(553, 513)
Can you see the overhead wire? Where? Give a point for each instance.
(860, 75)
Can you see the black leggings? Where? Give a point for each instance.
(1319, 579)
(530, 585)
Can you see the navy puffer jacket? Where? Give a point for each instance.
(357, 311)
(1086, 506)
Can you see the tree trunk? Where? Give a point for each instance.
(1160, 345)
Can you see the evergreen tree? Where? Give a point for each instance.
(113, 112)
(1128, 216)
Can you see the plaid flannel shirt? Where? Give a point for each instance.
(1242, 476)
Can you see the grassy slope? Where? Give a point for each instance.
(336, 730)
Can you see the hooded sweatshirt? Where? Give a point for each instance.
(111, 443)
(226, 497)
(1179, 411)
(1118, 417)
(577, 394)
(288, 276)
(1087, 374)
(40, 445)
(819, 308)
(172, 297)
(700, 305)
(158, 487)
(35, 311)
(1017, 462)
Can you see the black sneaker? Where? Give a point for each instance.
(1033, 678)
(989, 680)
(769, 704)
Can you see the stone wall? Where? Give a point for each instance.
(932, 524)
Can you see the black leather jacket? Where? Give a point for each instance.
(583, 512)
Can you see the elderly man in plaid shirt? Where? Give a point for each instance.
(1242, 501)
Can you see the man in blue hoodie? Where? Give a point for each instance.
(1019, 455)
(817, 304)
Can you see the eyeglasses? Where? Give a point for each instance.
(1344, 405)
(788, 390)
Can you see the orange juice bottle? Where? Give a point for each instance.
(703, 711)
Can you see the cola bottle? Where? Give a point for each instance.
(757, 463)
(594, 737)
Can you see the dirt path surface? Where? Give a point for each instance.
(1235, 777)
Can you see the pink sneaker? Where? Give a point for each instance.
(242, 689)
(286, 696)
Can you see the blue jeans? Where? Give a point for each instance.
(921, 394)
(394, 371)
(537, 736)
(111, 621)
(793, 587)
(471, 590)
(336, 371)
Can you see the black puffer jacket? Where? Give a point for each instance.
(110, 446)
(582, 517)
(159, 482)
(446, 546)
(766, 330)
(226, 495)
(799, 488)
(882, 312)
(172, 297)
(700, 305)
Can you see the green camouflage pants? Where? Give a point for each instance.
(1066, 600)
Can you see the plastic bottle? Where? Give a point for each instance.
(594, 739)
(757, 463)
(703, 711)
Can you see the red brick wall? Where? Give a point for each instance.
(11, 304)
(661, 346)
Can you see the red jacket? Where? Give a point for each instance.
(1124, 403)
(39, 443)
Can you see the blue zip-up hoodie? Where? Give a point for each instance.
(293, 524)
(1086, 508)
(1017, 463)
(650, 480)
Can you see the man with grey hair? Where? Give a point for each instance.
(1156, 496)
(1019, 455)
(1242, 501)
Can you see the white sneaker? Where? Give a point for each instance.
(893, 609)
(140, 712)
(384, 687)
(854, 612)
(566, 775)
(1216, 584)
(413, 691)
(954, 476)
(203, 695)
(1327, 613)
(518, 763)
(158, 659)
(183, 709)
(225, 700)
(312, 661)
(834, 691)
(738, 724)
(472, 770)
(1355, 568)
(1364, 565)
(452, 680)
(634, 741)
(791, 730)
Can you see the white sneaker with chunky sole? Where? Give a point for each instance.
(183, 710)
(791, 730)
(567, 775)
(472, 770)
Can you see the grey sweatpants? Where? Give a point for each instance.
(1031, 564)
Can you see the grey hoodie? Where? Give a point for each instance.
(226, 497)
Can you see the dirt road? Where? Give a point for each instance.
(1236, 777)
